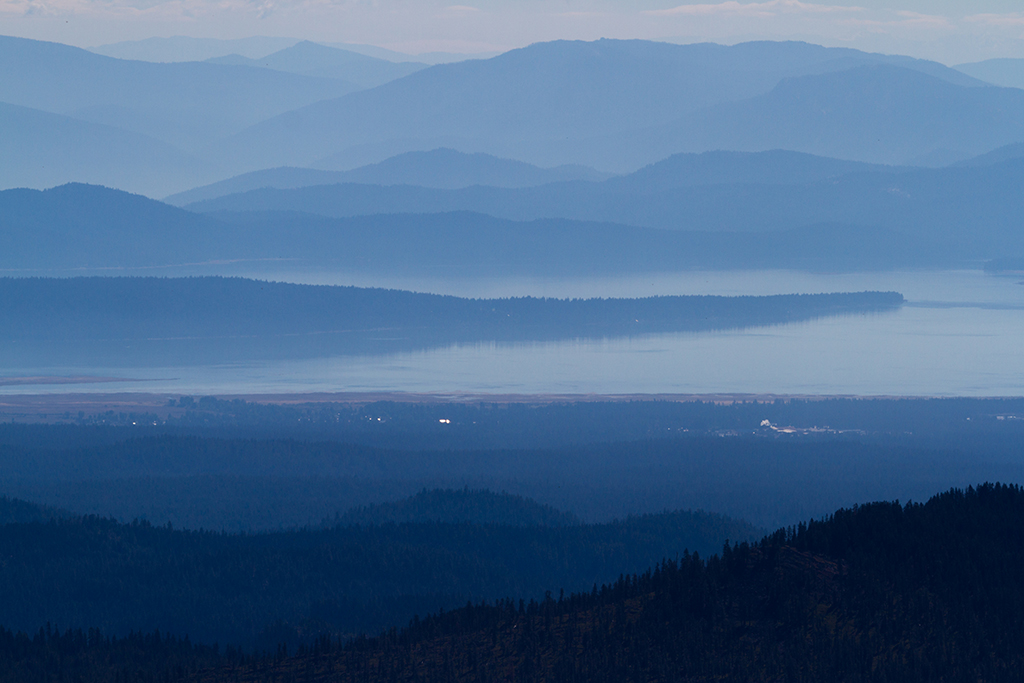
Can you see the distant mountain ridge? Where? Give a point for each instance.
(858, 114)
(439, 168)
(46, 149)
(770, 167)
(940, 218)
(80, 229)
(1005, 72)
(187, 104)
(965, 212)
(190, 49)
(319, 61)
(614, 106)
(513, 105)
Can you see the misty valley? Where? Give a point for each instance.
(587, 360)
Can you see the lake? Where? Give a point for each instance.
(961, 333)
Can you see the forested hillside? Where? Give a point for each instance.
(293, 586)
(880, 591)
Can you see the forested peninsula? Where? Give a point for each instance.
(237, 317)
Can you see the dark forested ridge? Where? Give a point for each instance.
(882, 591)
(339, 580)
(877, 592)
(193, 318)
(15, 511)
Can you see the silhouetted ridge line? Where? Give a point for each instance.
(882, 591)
(256, 590)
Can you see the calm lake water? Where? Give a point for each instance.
(962, 333)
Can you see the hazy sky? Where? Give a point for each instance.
(948, 30)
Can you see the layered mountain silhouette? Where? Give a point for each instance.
(311, 59)
(880, 113)
(41, 149)
(77, 228)
(439, 168)
(187, 104)
(538, 103)
(1006, 71)
(814, 213)
(615, 106)
(964, 212)
(449, 169)
(191, 49)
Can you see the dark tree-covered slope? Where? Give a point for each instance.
(15, 511)
(879, 592)
(54, 655)
(876, 592)
(254, 590)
